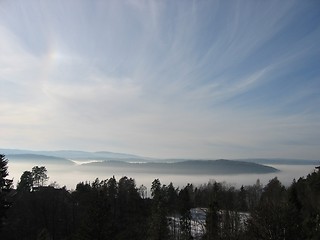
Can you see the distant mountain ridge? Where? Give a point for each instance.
(106, 155)
(104, 159)
(281, 161)
(74, 155)
(38, 159)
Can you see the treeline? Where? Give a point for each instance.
(118, 209)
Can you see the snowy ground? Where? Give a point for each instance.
(198, 221)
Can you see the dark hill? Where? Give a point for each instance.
(282, 161)
(38, 159)
(186, 167)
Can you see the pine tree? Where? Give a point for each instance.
(213, 222)
(5, 186)
(26, 182)
(158, 228)
(185, 219)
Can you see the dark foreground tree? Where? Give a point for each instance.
(5, 186)
(304, 208)
(39, 175)
(42, 214)
(185, 205)
(158, 223)
(268, 220)
(111, 209)
(26, 182)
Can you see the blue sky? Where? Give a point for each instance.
(196, 79)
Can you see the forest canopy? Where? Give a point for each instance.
(118, 209)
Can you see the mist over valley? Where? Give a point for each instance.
(71, 167)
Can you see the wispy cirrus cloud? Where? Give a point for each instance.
(207, 79)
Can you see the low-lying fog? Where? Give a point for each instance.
(69, 176)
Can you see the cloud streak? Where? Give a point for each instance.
(166, 79)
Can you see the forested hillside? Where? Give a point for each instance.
(118, 209)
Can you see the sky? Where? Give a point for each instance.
(166, 79)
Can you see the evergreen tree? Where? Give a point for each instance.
(97, 220)
(268, 220)
(172, 200)
(242, 201)
(213, 221)
(158, 226)
(26, 182)
(5, 186)
(184, 207)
